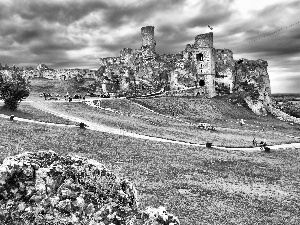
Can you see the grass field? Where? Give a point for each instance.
(199, 185)
(26, 111)
(228, 133)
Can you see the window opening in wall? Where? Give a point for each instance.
(199, 57)
(201, 83)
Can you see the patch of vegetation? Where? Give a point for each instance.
(13, 89)
(284, 97)
(291, 109)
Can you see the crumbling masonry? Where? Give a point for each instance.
(199, 69)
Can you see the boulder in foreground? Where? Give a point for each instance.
(45, 188)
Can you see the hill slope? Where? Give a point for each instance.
(223, 111)
(40, 85)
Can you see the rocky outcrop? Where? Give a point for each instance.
(252, 83)
(45, 188)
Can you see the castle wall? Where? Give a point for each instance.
(224, 67)
(203, 57)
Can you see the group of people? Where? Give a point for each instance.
(262, 144)
(70, 98)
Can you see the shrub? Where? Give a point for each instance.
(13, 89)
(291, 109)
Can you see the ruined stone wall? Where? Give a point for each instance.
(224, 67)
(148, 42)
(209, 71)
(204, 60)
(252, 83)
(204, 40)
(148, 37)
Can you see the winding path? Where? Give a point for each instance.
(102, 128)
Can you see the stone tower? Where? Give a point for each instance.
(203, 57)
(148, 42)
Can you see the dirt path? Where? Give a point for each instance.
(111, 130)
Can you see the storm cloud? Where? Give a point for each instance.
(75, 33)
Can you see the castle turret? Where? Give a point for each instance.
(203, 57)
(204, 40)
(148, 37)
(148, 42)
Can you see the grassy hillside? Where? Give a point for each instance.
(135, 119)
(40, 85)
(199, 185)
(220, 111)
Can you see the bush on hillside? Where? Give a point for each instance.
(291, 109)
(13, 89)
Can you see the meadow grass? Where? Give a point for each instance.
(199, 185)
(228, 134)
(27, 111)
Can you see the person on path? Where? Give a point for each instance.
(254, 142)
(263, 144)
(82, 125)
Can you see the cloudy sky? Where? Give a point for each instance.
(76, 33)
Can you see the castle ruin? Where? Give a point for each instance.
(198, 70)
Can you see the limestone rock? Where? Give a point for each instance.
(252, 83)
(43, 186)
(46, 188)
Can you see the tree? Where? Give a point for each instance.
(13, 89)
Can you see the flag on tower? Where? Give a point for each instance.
(210, 27)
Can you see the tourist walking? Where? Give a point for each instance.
(254, 142)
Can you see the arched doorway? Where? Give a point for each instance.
(201, 83)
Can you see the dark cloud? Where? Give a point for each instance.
(35, 31)
(211, 13)
(65, 12)
(139, 12)
(53, 47)
(172, 39)
(115, 44)
(280, 8)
